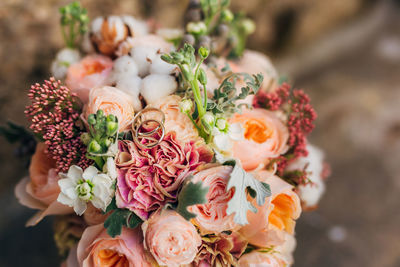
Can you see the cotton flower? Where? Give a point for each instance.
(64, 58)
(157, 86)
(79, 187)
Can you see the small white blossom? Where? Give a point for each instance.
(79, 187)
(223, 141)
(64, 58)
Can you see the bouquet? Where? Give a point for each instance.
(168, 147)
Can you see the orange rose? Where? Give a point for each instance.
(40, 190)
(112, 101)
(92, 71)
(276, 217)
(97, 249)
(265, 138)
(171, 239)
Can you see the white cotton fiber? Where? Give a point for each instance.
(137, 27)
(156, 86)
(159, 66)
(143, 57)
(131, 85)
(123, 67)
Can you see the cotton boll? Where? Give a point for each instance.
(63, 60)
(123, 67)
(156, 86)
(131, 85)
(137, 27)
(310, 194)
(143, 57)
(159, 66)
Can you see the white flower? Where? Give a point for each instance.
(310, 194)
(79, 187)
(63, 60)
(223, 141)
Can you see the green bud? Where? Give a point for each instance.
(202, 76)
(197, 28)
(187, 72)
(86, 138)
(221, 124)
(203, 52)
(178, 57)
(99, 113)
(248, 26)
(105, 142)
(208, 121)
(91, 119)
(111, 117)
(111, 128)
(186, 105)
(94, 146)
(227, 15)
(167, 58)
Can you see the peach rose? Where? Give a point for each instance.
(265, 138)
(176, 121)
(40, 190)
(93, 215)
(112, 101)
(212, 217)
(171, 239)
(276, 217)
(96, 248)
(92, 71)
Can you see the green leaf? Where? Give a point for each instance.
(191, 194)
(245, 183)
(133, 220)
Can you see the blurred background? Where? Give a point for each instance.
(344, 53)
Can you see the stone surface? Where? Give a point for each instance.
(355, 88)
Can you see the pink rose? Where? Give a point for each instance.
(276, 217)
(40, 190)
(171, 239)
(212, 217)
(112, 101)
(265, 138)
(92, 71)
(149, 178)
(176, 121)
(97, 249)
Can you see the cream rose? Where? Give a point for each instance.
(176, 121)
(265, 138)
(40, 190)
(171, 239)
(112, 101)
(97, 249)
(212, 217)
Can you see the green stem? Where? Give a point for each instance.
(99, 162)
(205, 96)
(200, 130)
(196, 91)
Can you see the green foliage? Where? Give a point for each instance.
(225, 97)
(191, 194)
(245, 184)
(119, 218)
(74, 23)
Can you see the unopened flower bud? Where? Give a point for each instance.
(202, 76)
(94, 146)
(86, 138)
(186, 105)
(208, 121)
(105, 142)
(197, 28)
(227, 15)
(91, 119)
(177, 57)
(111, 117)
(111, 128)
(203, 52)
(221, 124)
(248, 26)
(99, 113)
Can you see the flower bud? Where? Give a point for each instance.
(227, 15)
(99, 113)
(208, 121)
(94, 146)
(197, 28)
(186, 105)
(178, 57)
(203, 52)
(202, 76)
(111, 117)
(248, 26)
(105, 142)
(221, 124)
(111, 128)
(91, 119)
(86, 138)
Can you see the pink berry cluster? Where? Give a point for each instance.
(54, 114)
(301, 116)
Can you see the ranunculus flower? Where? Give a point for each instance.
(176, 121)
(280, 256)
(112, 101)
(211, 216)
(276, 217)
(149, 178)
(171, 239)
(92, 71)
(40, 190)
(265, 138)
(97, 249)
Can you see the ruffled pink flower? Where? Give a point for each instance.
(211, 216)
(97, 249)
(149, 178)
(92, 71)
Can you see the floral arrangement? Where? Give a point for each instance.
(168, 147)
